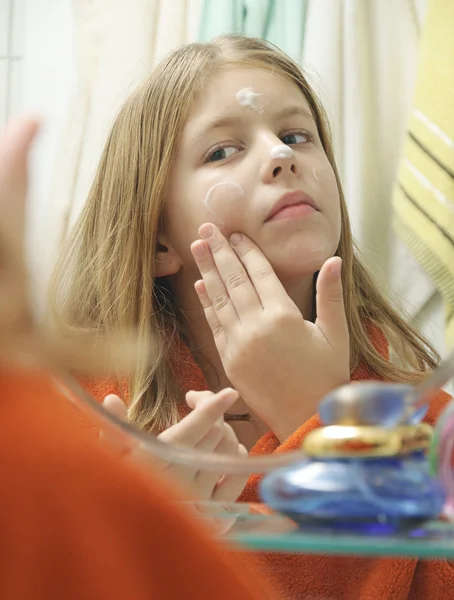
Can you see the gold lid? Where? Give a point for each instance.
(361, 441)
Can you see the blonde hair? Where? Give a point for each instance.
(105, 278)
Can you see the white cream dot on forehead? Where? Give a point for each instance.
(281, 151)
(248, 98)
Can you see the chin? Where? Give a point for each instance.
(300, 260)
(291, 275)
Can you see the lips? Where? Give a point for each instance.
(291, 199)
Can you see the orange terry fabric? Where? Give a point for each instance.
(77, 523)
(313, 577)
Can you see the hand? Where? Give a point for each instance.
(203, 429)
(16, 321)
(281, 364)
(23, 339)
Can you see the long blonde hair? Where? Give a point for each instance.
(105, 277)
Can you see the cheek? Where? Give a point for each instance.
(325, 180)
(220, 203)
(223, 202)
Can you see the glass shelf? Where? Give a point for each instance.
(252, 527)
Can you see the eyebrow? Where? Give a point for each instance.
(221, 122)
(295, 111)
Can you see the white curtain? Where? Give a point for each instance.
(361, 57)
(116, 46)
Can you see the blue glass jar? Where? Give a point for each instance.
(361, 495)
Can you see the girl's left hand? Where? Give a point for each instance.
(281, 364)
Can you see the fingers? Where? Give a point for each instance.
(331, 318)
(209, 482)
(194, 399)
(225, 275)
(115, 405)
(229, 487)
(217, 330)
(237, 282)
(216, 290)
(14, 148)
(202, 482)
(191, 430)
(203, 485)
(205, 481)
(203, 429)
(265, 281)
(115, 440)
(219, 437)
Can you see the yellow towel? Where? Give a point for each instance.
(424, 194)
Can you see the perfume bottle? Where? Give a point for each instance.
(364, 472)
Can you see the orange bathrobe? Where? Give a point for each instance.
(304, 577)
(77, 524)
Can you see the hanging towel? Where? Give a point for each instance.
(424, 194)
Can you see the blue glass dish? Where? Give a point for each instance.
(372, 495)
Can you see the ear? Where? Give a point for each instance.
(167, 261)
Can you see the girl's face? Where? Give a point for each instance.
(250, 139)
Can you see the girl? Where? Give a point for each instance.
(216, 224)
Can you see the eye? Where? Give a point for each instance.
(301, 137)
(221, 153)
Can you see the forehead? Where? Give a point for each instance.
(218, 96)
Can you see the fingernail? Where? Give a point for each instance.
(229, 395)
(206, 231)
(200, 287)
(198, 249)
(236, 239)
(336, 268)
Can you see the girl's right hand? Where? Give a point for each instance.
(204, 429)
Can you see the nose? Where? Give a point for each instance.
(279, 163)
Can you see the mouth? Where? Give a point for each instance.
(292, 204)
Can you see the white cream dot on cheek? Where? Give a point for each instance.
(281, 151)
(248, 98)
(222, 202)
(314, 173)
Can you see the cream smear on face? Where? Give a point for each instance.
(281, 151)
(249, 99)
(222, 199)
